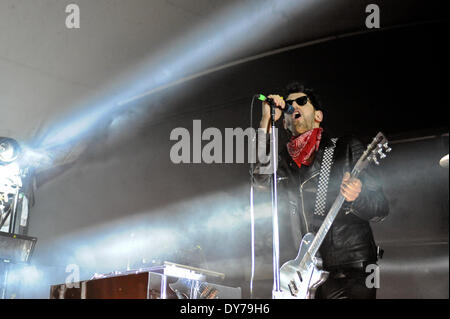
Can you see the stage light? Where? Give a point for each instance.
(9, 150)
(11, 182)
(444, 161)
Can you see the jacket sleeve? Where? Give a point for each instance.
(371, 204)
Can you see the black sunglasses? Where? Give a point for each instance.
(302, 100)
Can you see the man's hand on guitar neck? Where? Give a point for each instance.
(350, 187)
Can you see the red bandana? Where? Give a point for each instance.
(301, 147)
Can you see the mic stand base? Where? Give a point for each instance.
(277, 294)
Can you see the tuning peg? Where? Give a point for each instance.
(375, 160)
(387, 148)
(382, 155)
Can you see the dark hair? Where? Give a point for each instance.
(296, 87)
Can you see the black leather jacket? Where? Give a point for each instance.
(350, 239)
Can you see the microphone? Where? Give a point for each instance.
(288, 108)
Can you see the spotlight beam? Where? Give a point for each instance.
(225, 33)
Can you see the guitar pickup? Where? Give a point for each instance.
(293, 288)
(299, 276)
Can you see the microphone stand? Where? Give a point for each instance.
(276, 292)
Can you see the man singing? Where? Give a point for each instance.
(349, 245)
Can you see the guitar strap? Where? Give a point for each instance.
(324, 177)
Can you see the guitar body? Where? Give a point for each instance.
(299, 281)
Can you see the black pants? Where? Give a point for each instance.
(346, 284)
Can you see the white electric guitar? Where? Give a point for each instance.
(300, 278)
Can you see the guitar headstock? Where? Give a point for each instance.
(374, 152)
(378, 148)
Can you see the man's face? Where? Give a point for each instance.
(304, 118)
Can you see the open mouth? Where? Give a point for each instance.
(296, 115)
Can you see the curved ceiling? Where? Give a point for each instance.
(47, 70)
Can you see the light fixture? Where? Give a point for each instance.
(444, 161)
(9, 150)
(10, 184)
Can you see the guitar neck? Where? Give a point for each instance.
(326, 225)
(328, 221)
